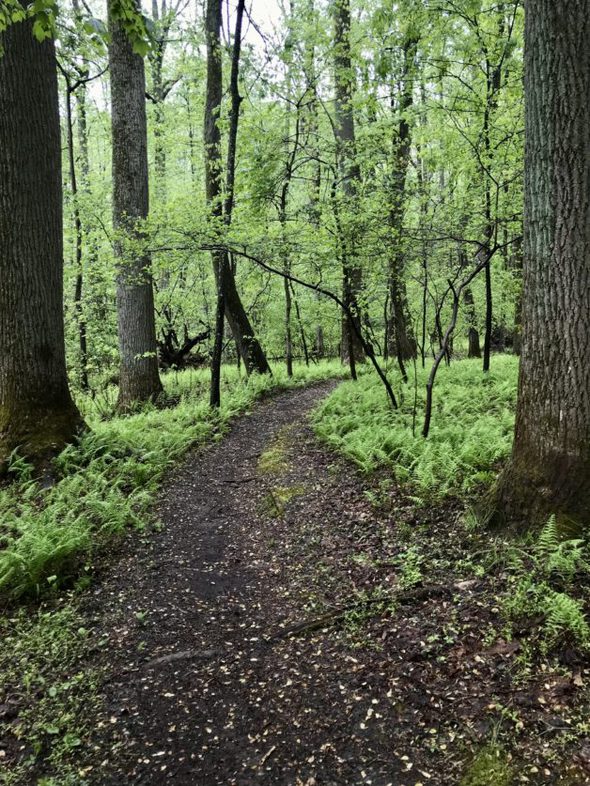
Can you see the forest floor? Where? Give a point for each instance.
(283, 627)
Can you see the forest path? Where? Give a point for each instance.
(262, 530)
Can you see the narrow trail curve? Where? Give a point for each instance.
(267, 530)
(195, 697)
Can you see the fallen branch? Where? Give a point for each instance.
(339, 614)
(184, 655)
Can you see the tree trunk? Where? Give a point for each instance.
(549, 471)
(78, 240)
(474, 350)
(246, 342)
(37, 414)
(158, 101)
(517, 333)
(311, 132)
(139, 379)
(403, 343)
(349, 172)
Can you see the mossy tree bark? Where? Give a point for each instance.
(549, 471)
(139, 379)
(37, 414)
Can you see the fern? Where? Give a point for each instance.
(472, 429)
(564, 615)
(557, 556)
(549, 539)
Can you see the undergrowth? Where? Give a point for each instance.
(543, 582)
(471, 432)
(48, 537)
(47, 692)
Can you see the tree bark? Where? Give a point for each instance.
(349, 172)
(139, 379)
(246, 342)
(37, 414)
(549, 471)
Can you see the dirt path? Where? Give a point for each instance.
(261, 531)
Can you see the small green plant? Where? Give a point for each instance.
(410, 562)
(489, 767)
(275, 501)
(559, 556)
(43, 666)
(274, 460)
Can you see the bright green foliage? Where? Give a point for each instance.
(47, 537)
(44, 13)
(471, 432)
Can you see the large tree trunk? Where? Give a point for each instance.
(349, 172)
(549, 471)
(37, 414)
(246, 342)
(138, 378)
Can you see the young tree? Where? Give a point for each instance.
(228, 296)
(139, 379)
(401, 333)
(350, 174)
(549, 471)
(37, 414)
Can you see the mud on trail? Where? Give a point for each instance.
(227, 663)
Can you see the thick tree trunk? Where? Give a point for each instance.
(138, 378)
(349, 171)
(549, 471)
(37, 414)
(246, 342)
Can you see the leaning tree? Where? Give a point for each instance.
(549, 471)
(37, 414)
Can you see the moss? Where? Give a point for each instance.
(274, 460)
(37, 435)
(489, 767)
(274, 503)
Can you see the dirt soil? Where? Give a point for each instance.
(275, 631)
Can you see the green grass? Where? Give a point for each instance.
(49, 537)
(471, 431)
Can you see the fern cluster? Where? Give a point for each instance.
(471, 431)
(534, 594)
